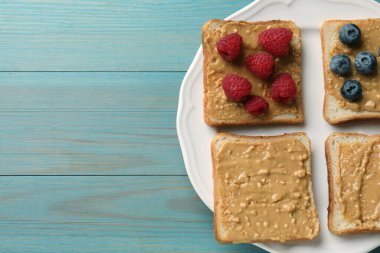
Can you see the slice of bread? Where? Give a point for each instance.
(336, 109)
(218, 110)
(346, 148)
(263, 189)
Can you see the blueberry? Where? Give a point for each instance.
(349, 34)
(365, 63)
(340, 64)
(351, 90)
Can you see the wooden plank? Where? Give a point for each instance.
(89, 124)
(92, 35)
(105, 214)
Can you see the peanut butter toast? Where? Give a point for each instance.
(353, 162)
(350, 50)
(262, 188)
(258, 63)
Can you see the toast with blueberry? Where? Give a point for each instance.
(351, 62)
(252, 73)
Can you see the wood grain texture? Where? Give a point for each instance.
(99, 123)
(105, 214)
(89, 124)
(113, 35)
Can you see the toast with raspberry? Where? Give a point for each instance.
(265, 56)
(351, 66)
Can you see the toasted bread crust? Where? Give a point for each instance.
(328, 154)
(351, 118)
(354, 116)
(206, 117)
(216, 193)
(205, 67)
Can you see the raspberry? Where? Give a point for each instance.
(235, 87)
(256, 105)
(261, 64)
(284, 89)
(229, 46)
(276, 41)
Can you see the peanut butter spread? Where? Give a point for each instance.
(264, 191)
(217, 105)
(370, 41)
(359, 182)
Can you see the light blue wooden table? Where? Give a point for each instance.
(90, 160)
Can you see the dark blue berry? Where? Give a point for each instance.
(365, 63)
(340, 64)
(349, 34)
(351, 90)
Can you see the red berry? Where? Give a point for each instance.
(235, 87)
(284, 89)
(276, 41)
(229, 46)
(256, 105)
(261, 64)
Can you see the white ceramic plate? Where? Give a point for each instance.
(195, 136)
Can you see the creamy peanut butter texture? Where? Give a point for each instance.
(370, 41)
(264, 191)
(359, 182)
(218, 106)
